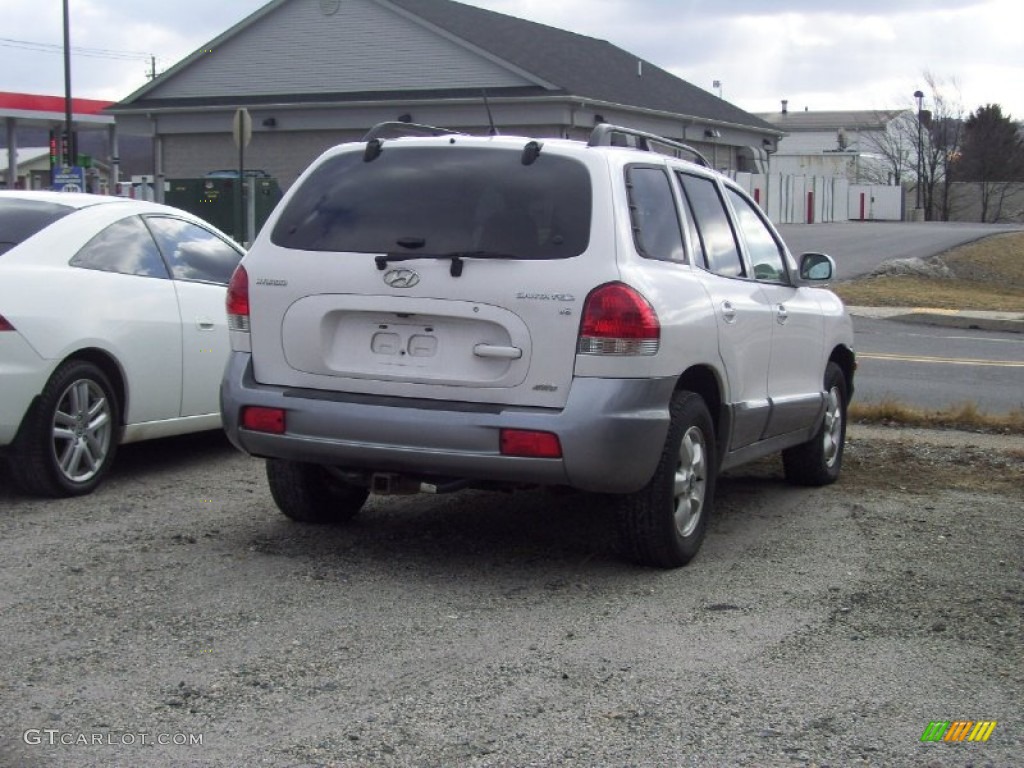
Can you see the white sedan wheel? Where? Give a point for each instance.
(68, 440)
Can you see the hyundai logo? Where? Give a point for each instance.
(401, 278)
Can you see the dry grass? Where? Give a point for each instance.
(995, 259)
(964, 416)
(936, 293)
(989, 275)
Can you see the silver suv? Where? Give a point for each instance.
(434, 312)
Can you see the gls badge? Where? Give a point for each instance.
(401, 278)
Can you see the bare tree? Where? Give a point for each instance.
(941, 145)
(891, 148)
(919, 150)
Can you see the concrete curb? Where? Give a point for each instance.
(1011, 322)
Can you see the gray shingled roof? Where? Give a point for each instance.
(579, 65)
(570, 64)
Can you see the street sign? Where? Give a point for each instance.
(69, 179)
(242, 127)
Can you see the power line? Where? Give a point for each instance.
(96, 53)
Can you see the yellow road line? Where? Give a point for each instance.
(941, 360)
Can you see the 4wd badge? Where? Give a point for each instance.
(401, 278)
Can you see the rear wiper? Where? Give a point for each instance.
(382, 260)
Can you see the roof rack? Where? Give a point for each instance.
(401, 128)
(604, 135)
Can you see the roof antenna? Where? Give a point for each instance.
(490, 117)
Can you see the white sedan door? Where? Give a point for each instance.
(117, 296)
(204, 343)
(201, 264)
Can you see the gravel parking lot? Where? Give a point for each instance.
(175, 618)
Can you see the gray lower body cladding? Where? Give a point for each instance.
(612, 432)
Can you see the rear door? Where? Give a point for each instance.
(742, 310)
(796, 373)
(451, 269)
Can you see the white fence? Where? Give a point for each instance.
(791, 199)
(875, 203)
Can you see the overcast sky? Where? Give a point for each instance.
(818, 54)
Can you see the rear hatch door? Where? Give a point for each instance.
(440, 268)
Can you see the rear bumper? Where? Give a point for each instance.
(611, 430)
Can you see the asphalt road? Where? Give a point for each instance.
(932, 367)
(919, 365)
(859, 247)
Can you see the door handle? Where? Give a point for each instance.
(204, 324)
(728, 312)
(782, 314)
(493, 350)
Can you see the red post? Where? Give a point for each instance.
(810, 207)
(862, 206)
(757, 195)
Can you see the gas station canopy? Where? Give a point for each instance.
(46, 111)
(49, 112)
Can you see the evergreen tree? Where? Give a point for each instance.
(993, 157)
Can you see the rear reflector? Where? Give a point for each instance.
(524, 442)
(263, 419)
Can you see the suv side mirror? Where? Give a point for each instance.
(817, 267)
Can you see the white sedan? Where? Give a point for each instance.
(112, 330)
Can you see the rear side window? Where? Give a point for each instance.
(125, 247)
(439, 200)
(20, 219)
(192, 252)
(716, 235)
(652, 209)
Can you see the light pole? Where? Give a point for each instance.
(920, 150)
(769, 150)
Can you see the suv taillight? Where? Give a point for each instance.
(238, 300)
(5, 324)
(618, 321)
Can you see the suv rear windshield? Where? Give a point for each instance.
(442, 200)
(20, 219)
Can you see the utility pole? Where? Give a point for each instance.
(67, 152)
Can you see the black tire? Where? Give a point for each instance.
(663, 524)
(68, 440)
(309, 493)
(819, 460)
